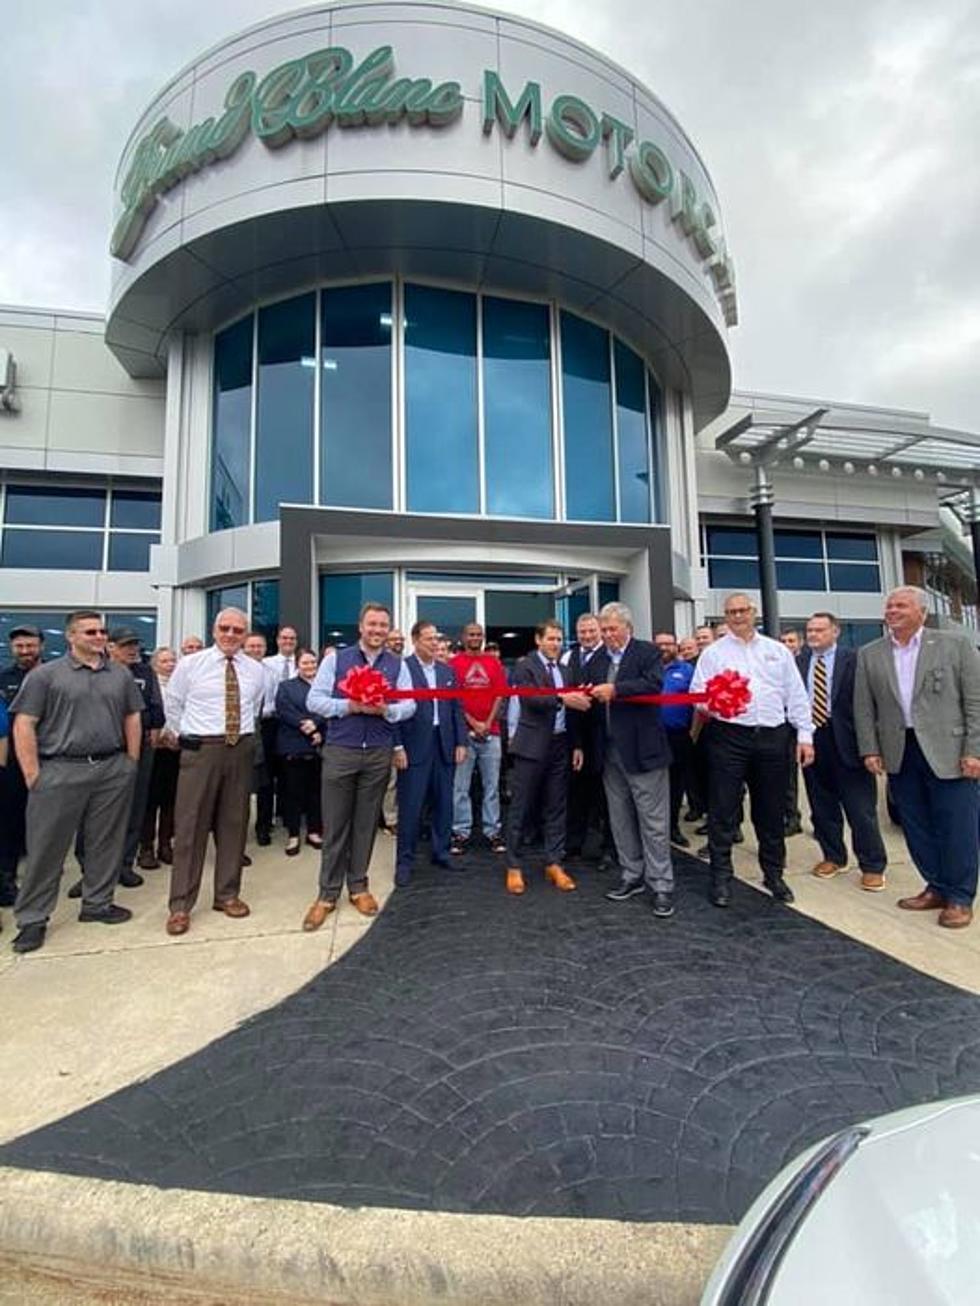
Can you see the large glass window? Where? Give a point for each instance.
(61, 527)
(440, 401)
(355, 397)
(341, 598)
(230, 445)
(130, 550)
(517, 409)
(587, 403)
(632, 436)
(53, 550)
(135, 510)
(29, 505)
(228, 596)
(52, 626)
(805, 560)
(284, 415)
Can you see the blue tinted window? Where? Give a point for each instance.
(355, 392)
(852, 548)
(144, 623)
(28, 506)
(517, 409)
(440, 401)
(656, 419)
(729, 573)
(284, 417)
(230, 596)
(799, 544)
(52, 627)
(230, 485)
(854, 578)
(341, 597)
(800, 575)
(265, 610)
(59, 550)
(632, 436)
(135, 510)
(608, 592)
(731, 541)
(447, 611)
(587, 404)
(130, 552)
(855, 633)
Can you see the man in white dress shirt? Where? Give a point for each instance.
(752, 749)
(213, 703)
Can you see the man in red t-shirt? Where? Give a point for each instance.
(484, 674)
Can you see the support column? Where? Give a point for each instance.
(762, 501)
(973, 516)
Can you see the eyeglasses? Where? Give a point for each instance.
(94, 630)
(737, 612)
(232, 630)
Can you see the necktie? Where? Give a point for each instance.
(233, 704)
(821, 709)
(285, 671)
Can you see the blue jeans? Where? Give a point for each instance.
(484, 753)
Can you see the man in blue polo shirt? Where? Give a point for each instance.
(678, 675)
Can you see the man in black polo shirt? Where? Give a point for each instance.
(26, 649)
(77, 731)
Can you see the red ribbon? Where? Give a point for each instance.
(726, 695)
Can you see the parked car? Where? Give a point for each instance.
(885, 1213)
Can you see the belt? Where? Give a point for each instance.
(755, 730)
(80, 757)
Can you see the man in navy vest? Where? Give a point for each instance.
(428, 747)
(356, 763)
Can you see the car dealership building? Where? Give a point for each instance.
(424, 303)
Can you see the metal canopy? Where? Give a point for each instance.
(834, 439)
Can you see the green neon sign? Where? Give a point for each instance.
(303, 97)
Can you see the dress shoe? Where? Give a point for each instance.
(663, 904)
(458, 845)
(606, 864)
(738, 837)
(702, 829)
(827, 870)
(515, 880)
(233, 907)
(166, 854)
(719, 895)
(704, 851)
(955, 916)
(315, 840)
(498, 844)
(76, 890)
(679, 840)
(178, 922)
(793, 827)
(130, 880)
(365, 903)
(780, 890)
(246, 860)
(317, 914)
(111, 915)
(872, 881)
(624, 891)
(927, 900)
(147, 860)
(292, 846)
(29, 938)
(263, 838)
(559, 877)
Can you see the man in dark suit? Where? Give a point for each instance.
(428, 746)
(539, 747)
(838, 784)
(636, 761)
(586, 806)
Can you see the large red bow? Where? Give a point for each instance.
(365, 685)
(727, 694)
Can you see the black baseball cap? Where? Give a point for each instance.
(32, 632)
(124, 635)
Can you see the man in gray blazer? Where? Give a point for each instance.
(917, 715)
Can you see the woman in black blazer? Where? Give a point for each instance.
(298, 742)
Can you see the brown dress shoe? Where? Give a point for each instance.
(317, 914)
(515, 880)
(178, 922)
(558, 877)
(827, 870)
(955, 916)
(872, 881)
(365, 902)
(233, 907)
(927, 900)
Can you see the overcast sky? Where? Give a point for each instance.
(843, 137)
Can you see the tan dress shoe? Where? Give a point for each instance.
(872, 881)
(365, 903)
(233, 907)
(927, 900)
(955, 916)
(827, 870)
(515, 880)
(559, 877)
(317, 914)
(178, 922)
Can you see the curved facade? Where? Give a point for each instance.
(417, 266)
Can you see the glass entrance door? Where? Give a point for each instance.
(449, 607)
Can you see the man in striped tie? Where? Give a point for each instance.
(837, 783)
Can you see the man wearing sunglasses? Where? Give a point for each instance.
(213, 703)
(78, 734)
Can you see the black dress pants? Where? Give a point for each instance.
(758, 757)
(271, 781)
(301, 794)
(539, 785)
(681, 766)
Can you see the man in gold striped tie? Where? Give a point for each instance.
(837, 783)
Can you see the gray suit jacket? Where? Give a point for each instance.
(945, 703)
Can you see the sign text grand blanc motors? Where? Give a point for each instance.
(304, 96)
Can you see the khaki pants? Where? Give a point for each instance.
(213, 793)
